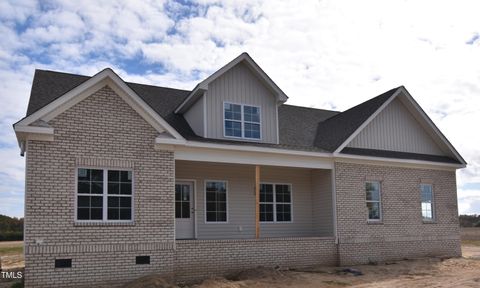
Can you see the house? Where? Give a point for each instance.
(125, 179)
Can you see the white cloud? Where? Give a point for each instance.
(325, 54)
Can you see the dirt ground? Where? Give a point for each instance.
(11, 254)
(424, 272)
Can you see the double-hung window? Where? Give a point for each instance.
(216, 201)
(241, 121)
(427, 201)
(104, 195)
(372, 189)
(275, 203)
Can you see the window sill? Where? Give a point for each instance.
(373, 222)
(104, 223)
(429, 222)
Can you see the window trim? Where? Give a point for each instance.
(380, 219)
(104, 196)
(205, 202)
(242, 121)
(275, 203)
(432, 220)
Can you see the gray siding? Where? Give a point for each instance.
(195, 117)
(241, 199)
(239, 85)
(396, 129)
(322, 202)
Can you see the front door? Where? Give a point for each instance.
(184, 209)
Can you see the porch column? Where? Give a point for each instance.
(257, 201)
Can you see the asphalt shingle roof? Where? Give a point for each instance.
(300, 128)
(332, 132)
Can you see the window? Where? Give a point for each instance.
(275, 203)
(216, 201)
(427, 202)
(104, 195)
(182, 201)
(373, 200)
(242, 121)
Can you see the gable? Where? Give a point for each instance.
(106, 119)
(25, 128)
(240, 86)
(243, 58)
(395, 128)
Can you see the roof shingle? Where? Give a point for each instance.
(300, 128)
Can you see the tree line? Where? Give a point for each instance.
(469, 220)
(11, 228)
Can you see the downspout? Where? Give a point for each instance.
(23, 148)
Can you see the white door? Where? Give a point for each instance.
(184, 209)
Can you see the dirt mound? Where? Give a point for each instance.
(152, 281)
(256, 273)
(218, 282)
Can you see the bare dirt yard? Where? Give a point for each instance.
(424, 272)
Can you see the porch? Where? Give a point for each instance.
(217, 201)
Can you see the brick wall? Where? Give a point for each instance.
(196, 259)
(101, 130)
(402, 232)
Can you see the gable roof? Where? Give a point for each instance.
(80, 88)
(335, 130)
(300, 128)
(197, 92)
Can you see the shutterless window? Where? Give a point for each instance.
(104, 195)
(242, 121)
(216, 201)
(427, 201)
(372, 189)
(275, 203)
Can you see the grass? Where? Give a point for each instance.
(10, 248)
(17, 285)
(471, 242)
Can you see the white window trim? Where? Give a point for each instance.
(242, 121)
(205, 202)
(275, 203)
(432, 220)
(104, 196)
(373, 201)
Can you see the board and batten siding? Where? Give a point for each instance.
(322, 202)
(396, 129)
(241, 199)
(239, 85)
(195, 117)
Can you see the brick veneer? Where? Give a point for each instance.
(101, 130)
(196, 259)
(401, 233)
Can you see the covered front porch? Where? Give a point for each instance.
(215, 201)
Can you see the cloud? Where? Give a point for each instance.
(323, 54)
(469, 201)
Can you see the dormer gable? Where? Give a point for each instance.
(239, 102)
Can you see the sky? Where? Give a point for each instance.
(323, 54)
